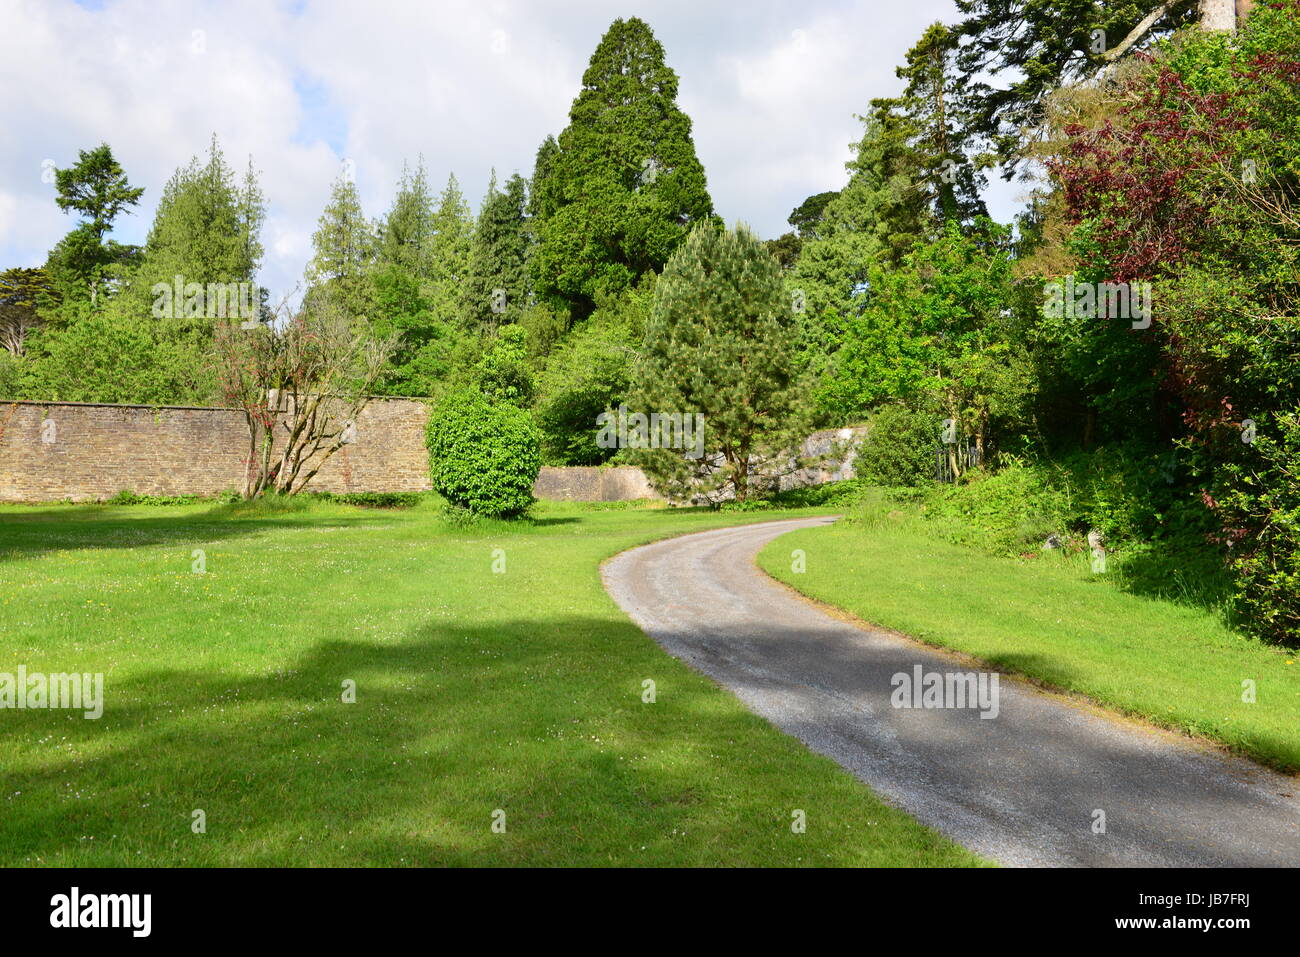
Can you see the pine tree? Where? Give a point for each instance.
(624, 186)
(496, 289)
(406, 236)
(720, 343)
(1044, 45)
(344, 243)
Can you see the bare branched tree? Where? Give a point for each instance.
(302, 382)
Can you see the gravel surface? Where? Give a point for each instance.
(1022, 788)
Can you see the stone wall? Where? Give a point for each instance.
(87, 452)
(82, 451)
(589, 484)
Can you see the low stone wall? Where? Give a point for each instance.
(590, 484)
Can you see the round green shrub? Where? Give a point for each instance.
(899, 449)
(483, 457)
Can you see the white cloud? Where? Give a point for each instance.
(771, 88)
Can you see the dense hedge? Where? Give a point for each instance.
(483, 457)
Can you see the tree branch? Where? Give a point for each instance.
(1138, 32)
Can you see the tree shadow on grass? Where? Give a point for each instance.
(448, 725)
(32, 533)
(1194, 577)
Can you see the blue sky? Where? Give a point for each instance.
(304, 87)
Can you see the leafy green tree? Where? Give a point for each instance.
(542, 198)
(496, 290)
(874, 220)
(110, 355)
(807, 215)
(206, 230)
(957, 296)
(590, 372)
(425, 354)
(624, 186)
(720, 343)
(935, 103)
(785, 249)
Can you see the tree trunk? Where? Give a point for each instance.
(1219, 15)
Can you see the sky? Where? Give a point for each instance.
(308, 88)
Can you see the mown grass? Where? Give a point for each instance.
(475, 691)
(1052, 619)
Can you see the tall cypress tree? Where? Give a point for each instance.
(624, 186)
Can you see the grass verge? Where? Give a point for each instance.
(1051, 619)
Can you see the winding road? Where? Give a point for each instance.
(1024, 788)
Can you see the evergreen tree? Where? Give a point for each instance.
(344, 248)
(875, 219)
(206, 229)
(720, 343)
(542, 199)
(84, 261)
(807, 215)
(1044, 45)
(935, 103)
(496, 289)
(624, 186)
(406, 236)
(449, 252)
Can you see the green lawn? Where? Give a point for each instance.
(1051, 619)
(476, 691)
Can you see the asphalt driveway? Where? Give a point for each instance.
(1023, 787)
